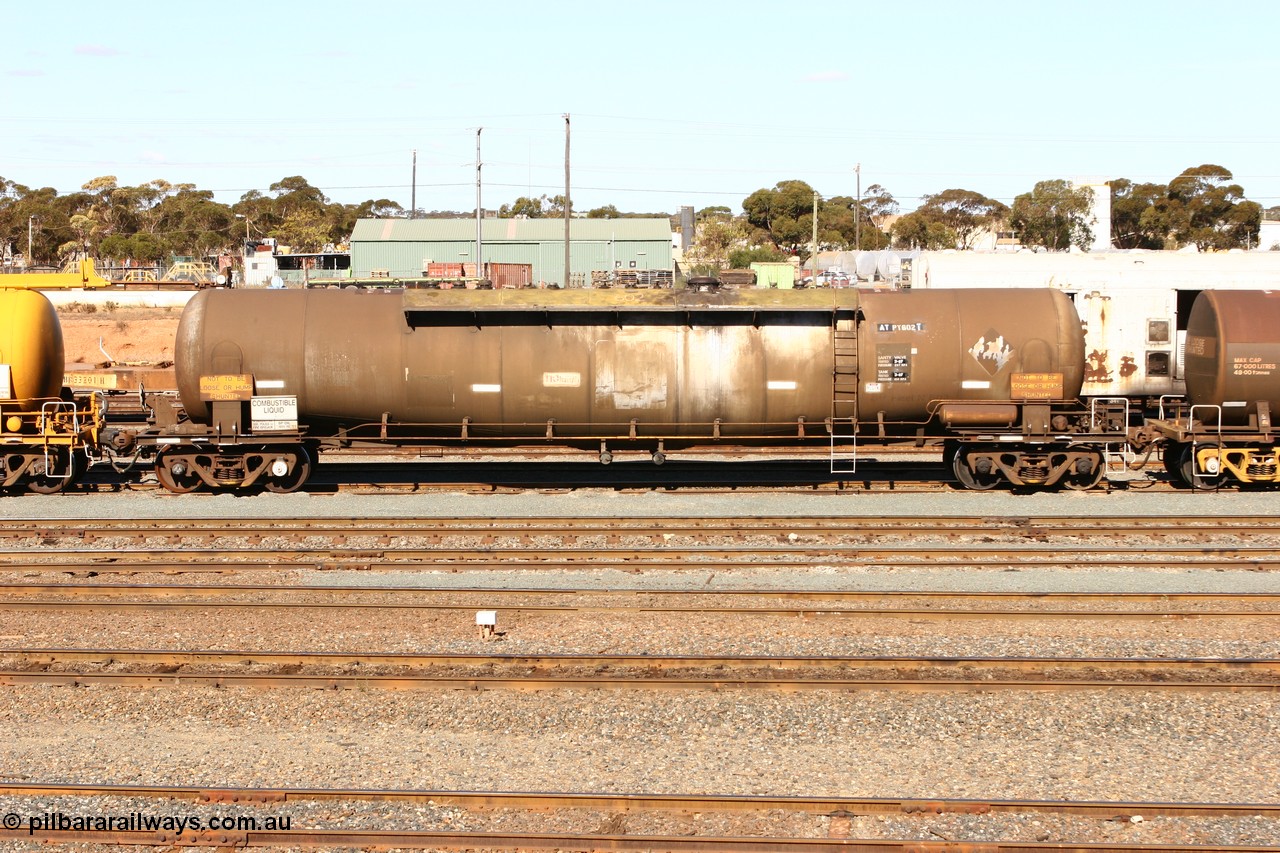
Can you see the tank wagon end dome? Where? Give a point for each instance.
(30, 345)
(1232, 352)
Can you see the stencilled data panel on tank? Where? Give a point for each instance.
(893, 363)
(1249, 360)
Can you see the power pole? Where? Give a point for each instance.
(815, 239)
(479, 262)
(30, 221)
(857, 211)
(567, 203)
(413, 194)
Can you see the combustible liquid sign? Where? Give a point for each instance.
(274, 414)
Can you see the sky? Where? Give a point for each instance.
(670, 103)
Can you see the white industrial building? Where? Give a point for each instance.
(1082, 271)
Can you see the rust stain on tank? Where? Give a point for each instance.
(1096, 368)
(1127, 366)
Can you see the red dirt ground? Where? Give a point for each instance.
(129, 335)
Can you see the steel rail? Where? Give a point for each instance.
(660, 663)
(646, 802)
(221, 590)
(383, 840)
(630, 526)
(683, 557)
(159, 563)
(917, 613)
(11, 678)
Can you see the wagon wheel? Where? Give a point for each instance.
(969, 478)
(1082, 482)
(44, 483)
(292, 481)
(178, 483)
(1206, 481)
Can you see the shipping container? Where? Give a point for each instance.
(509, 275)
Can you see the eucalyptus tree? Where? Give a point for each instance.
(1054, 215)
(965, 213)
(1205, 207)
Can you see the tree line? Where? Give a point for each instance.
(1201, 206)
(157, 221)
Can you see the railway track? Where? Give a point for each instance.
(590, 841)
(614, 528)
(174, 545)
(645, 802)
(631, 544)
(610, 810)
(400, 671)
(652, 558)
(366, 683)
(923, 602)
(203, 603)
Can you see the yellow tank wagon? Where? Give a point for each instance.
(46, 433)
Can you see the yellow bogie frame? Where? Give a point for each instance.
(1246, 464)
(45, 444)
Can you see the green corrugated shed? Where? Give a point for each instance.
(774, 274)
(402, 247)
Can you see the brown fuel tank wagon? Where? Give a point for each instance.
(267, 378)
(592, 364)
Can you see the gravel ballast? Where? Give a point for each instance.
(1095, 745)
(1119, 745)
